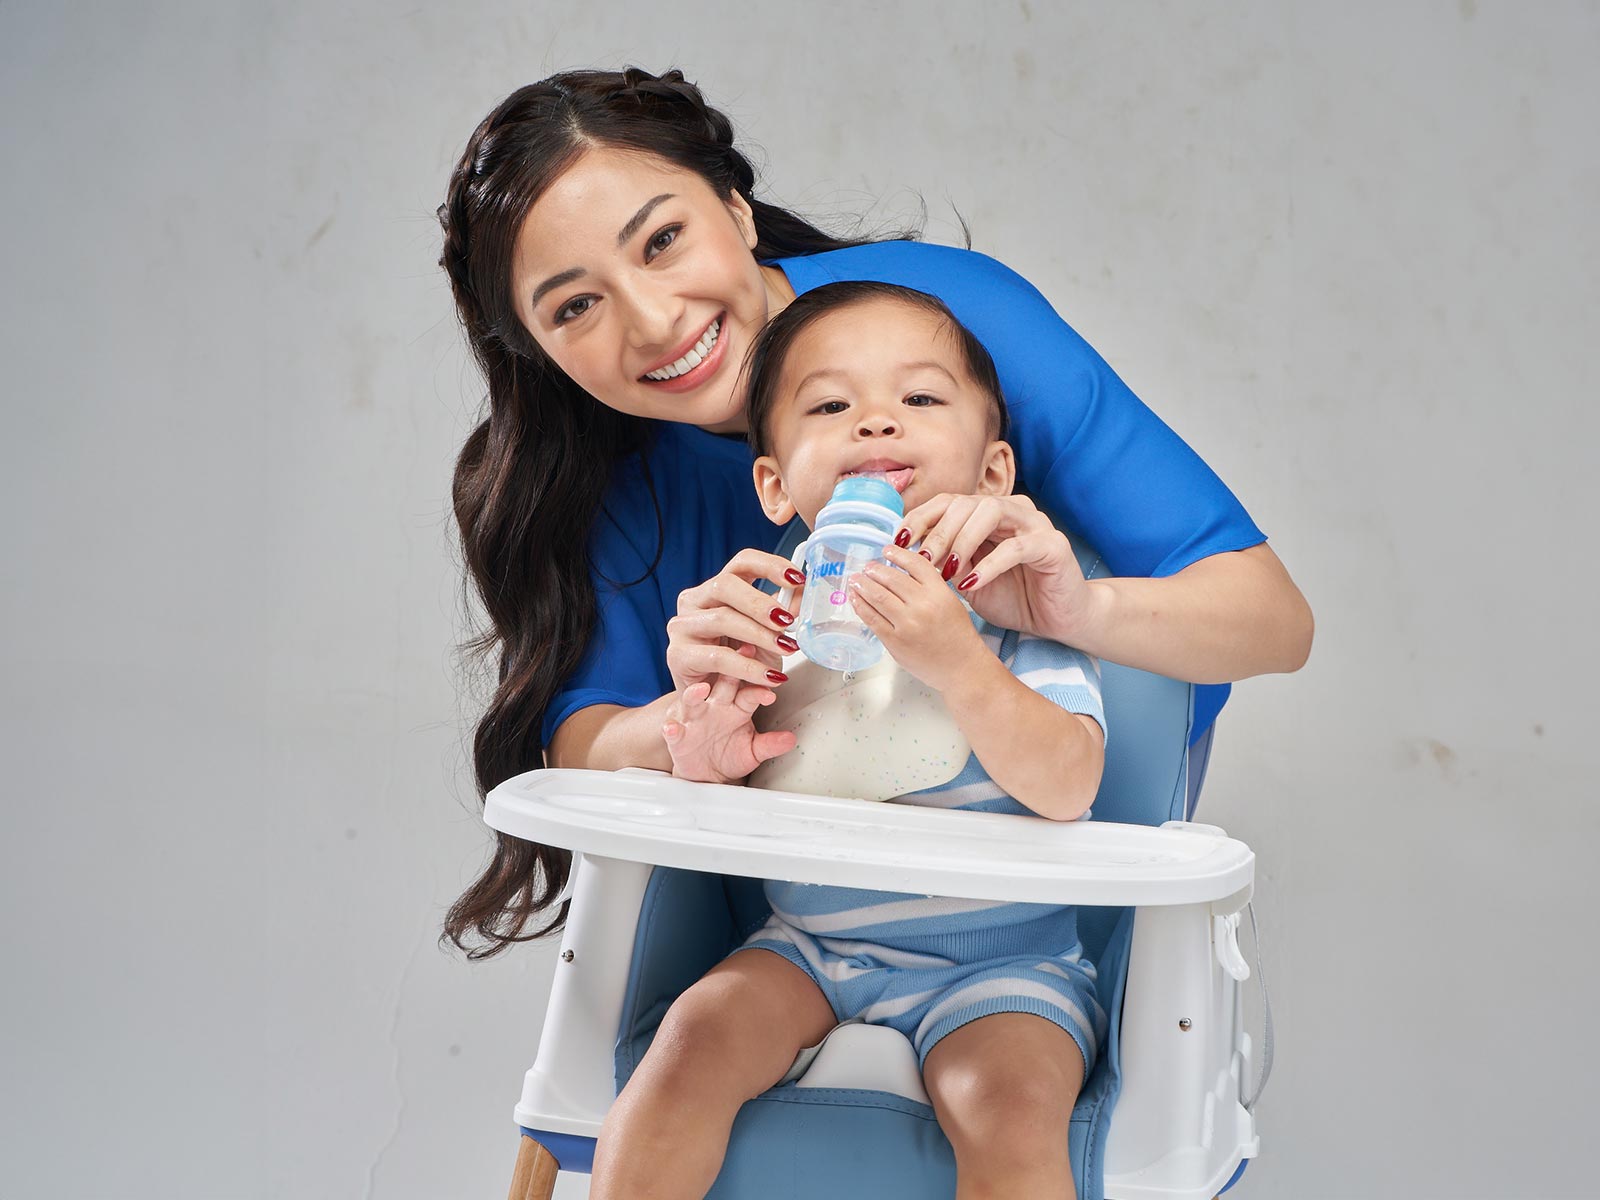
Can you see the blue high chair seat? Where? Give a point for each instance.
(1181, 1129)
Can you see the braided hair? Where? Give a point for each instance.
(530, 478)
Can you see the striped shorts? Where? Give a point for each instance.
(924, 993)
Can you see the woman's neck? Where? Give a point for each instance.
(779, 290)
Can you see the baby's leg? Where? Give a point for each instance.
(727, 1039)
(1003, 1088)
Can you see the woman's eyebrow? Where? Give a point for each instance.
(640, 217)
(553, 282)
(628, 230)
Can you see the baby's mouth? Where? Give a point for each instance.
(899, 476)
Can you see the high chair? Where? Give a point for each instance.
(666, 882)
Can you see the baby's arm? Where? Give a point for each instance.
(1044, 756)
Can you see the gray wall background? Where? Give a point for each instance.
(1348, 251)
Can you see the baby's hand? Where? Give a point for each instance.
(713, 737)
(917, 616)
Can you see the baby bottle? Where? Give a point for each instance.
(851, 531)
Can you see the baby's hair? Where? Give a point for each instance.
(764, 367)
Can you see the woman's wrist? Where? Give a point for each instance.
(1088, 626)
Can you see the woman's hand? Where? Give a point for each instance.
(711, 735)
(728, 611)
(1016, 569)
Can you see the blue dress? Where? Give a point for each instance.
(1089, 453)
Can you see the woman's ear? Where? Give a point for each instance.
(744, 217)
(999, 470)
(774, 496)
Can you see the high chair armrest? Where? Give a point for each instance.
(649, 817)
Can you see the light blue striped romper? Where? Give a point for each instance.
(924, 965)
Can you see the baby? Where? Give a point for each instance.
(996, 998)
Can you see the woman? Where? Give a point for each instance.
(611, 264)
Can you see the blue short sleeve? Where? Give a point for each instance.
(1064, 676)
(1089, 452)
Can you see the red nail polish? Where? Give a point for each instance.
(787, 644)
(967, 582)
(780, 617)
(777, 677)
(794, 577)
(925, 555)
(950, 565)
(903, 538)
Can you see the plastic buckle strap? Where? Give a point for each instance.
(1266, 1008)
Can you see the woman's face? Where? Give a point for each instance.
(639, 282)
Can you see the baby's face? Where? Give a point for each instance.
(878, 386)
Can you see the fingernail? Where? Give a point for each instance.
(950, 565)
(780, 617)
(925, 555)
(967, 582)
(777, 677)
(787, 644)
(903, 538)
(794, 577)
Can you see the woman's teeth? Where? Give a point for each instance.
(697, 355)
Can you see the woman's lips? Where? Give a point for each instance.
(695, 376)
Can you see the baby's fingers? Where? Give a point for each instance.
(751, 698)
(695, 697)
(769, 745)
(727, 686)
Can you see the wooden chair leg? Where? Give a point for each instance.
(535, 1174)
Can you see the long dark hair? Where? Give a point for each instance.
(530, 478)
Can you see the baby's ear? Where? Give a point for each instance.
(999, 470)
(774, 496)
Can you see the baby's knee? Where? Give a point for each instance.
(1005, 1115)
(710, 1043)
(698, 1020)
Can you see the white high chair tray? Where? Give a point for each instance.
(650, 817)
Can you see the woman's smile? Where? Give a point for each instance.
(694, 365)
